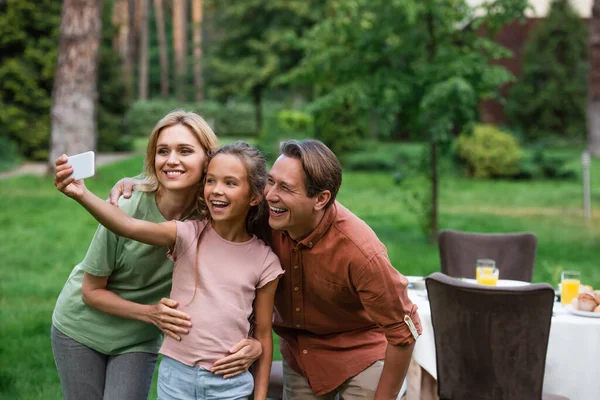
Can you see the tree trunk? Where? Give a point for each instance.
(180, 46)
(257, 99)
(122, 42)
(434, 217)
(162, 48)
(134, 30)
(593, 109)
(75, 95)
(373, 124)
(143, 61)
(197, 14)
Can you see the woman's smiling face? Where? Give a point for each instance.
(180, 159)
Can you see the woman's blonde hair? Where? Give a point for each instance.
(195, 123)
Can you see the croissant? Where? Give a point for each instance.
(597, 309)
(597, 296)
(586, 302)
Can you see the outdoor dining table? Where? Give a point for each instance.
(572, 357)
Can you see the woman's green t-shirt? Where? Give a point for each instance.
(138, 272)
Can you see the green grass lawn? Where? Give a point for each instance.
(44, 234)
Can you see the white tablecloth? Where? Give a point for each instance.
(573, 351)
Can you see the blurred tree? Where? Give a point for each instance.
(124, 41)
(422, 60)
(549, 96)
(113, 100)
(258, 41)
(28, 52)
(143, 59)
(197, 13)
(593, 106)
(162, 47)
(180, 46)
(75, 95)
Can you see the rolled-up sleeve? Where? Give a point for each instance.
(383, 293)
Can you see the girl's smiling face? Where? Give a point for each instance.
(227, 190)
(180, 159)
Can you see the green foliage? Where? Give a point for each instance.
(260, 41)
(230, 119)
(11, 156)
(421, 64)
(540, 165)
(400, 158)
(288, 124)
(28, 51)
(549, 96)
(367, 161)
(338, 126)
(489, 152)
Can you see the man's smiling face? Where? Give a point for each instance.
(290, 207)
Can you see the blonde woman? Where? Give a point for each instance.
(107, 323)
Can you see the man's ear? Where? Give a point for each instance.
(322, 200)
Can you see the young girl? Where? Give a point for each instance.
(221, 269)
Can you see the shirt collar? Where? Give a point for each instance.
(324, 225)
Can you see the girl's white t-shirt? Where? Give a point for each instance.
(215, 282)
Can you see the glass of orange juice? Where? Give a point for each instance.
(484, 264)
(569, 286)
(487, 276)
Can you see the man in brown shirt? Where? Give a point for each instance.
(340, 306)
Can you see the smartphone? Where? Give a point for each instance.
(83, 165)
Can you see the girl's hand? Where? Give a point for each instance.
(243, 354)
(64, 182)
(169, 320)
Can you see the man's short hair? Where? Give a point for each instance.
(322, 169)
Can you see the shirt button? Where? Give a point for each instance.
(296, 267)
(295, 250)
(304, 351)
(298, 326)
(296, 288)
(297, 308)
(309, 244)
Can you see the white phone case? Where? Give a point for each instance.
(83, 165)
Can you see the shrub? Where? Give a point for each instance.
(539, 165)
(286, 125)
(10, 156)
(489, 152)
(401, 158)
(365, 161)
(340, 128)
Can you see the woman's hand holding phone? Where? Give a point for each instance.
(64, 181)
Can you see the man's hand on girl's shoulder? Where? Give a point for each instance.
(123, 187)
